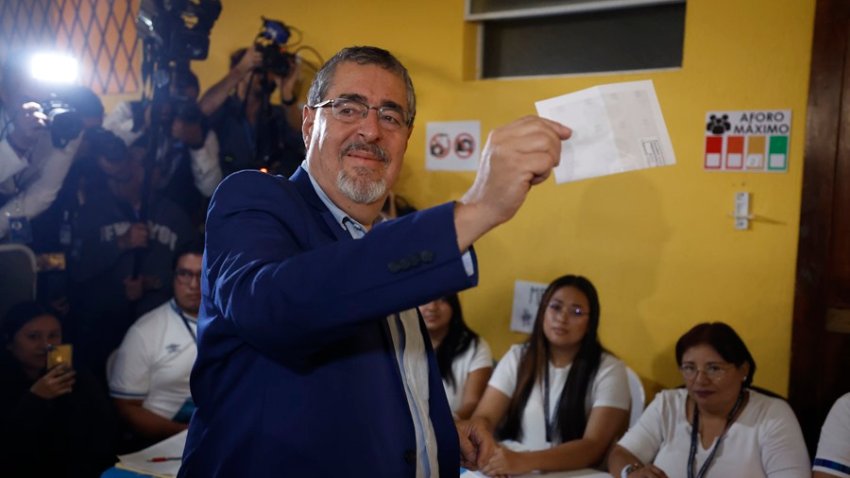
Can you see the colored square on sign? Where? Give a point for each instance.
(755, 152)
(734, 152)
(777, 162)
(734, 161)
(713, 152)
(755, 161)
(778, 153)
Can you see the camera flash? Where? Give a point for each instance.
(54, 68)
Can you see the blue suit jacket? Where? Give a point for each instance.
(296, 373)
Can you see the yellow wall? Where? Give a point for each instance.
(659, 244)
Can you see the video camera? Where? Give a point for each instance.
(271, 43)
(63, 120)
(53, 73)
(177, 30)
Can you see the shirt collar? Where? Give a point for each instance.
(356, 229)
(183, 315)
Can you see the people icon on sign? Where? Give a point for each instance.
(464, 145)
(718, 124)
(439, 146)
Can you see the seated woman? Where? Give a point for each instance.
(55, 422)
(559, 399)
(464, 358)
(716, 426)
(833, 455)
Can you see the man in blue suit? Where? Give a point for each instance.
(312, 360)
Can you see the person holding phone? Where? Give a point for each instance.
(54, 421)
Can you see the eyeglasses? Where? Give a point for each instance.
(185, 276)
(348, 110)
(572, 311)
(712, 371)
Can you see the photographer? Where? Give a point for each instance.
(120, 264)
(253, 133)
(186, 168)
(32, 165)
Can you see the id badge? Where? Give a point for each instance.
(20, 230)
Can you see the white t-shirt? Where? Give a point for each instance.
(154, 361)
(475, 357)
(610, 389)
(833, 454)
(764, 441)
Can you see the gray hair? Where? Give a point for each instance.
(362, 55)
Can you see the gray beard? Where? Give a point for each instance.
(360, 190)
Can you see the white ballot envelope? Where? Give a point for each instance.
(616, 128)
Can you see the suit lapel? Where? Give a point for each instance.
(302, 182)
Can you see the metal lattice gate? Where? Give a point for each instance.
(101, 34)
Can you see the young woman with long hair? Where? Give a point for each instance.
(464, 358)
(559, 400)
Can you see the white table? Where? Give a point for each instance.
(583, 473)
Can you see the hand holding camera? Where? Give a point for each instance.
(286, 85)
(252, 60)
(28, 122)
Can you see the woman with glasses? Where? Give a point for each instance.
(717, 426)
(559, 400)
(464, 358)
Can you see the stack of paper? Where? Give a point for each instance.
(162, 459)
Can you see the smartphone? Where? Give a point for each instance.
(50, 261)
(59, 354)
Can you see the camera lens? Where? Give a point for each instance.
(65, 125)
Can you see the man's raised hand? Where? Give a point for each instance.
(516, 157)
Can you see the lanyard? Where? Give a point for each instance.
(695, 431)
(185, 320)
(549, 420)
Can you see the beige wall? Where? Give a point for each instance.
(659, 244)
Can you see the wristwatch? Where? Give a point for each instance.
(628, 469)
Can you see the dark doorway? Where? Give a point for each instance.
(820, 354)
